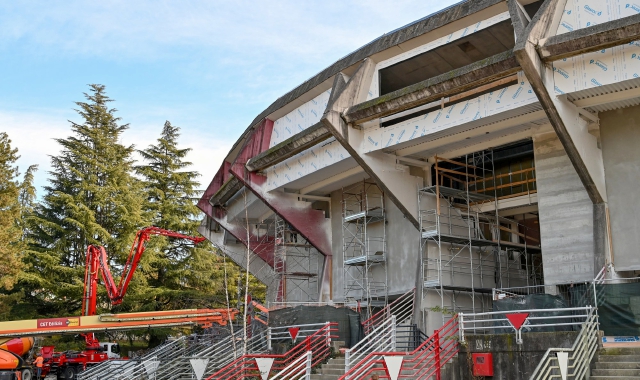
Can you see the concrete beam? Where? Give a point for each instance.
(289, 147)
(398, 185)
(608, 98)
(310, 223)
(472, 133)
(580, 146)
(590, 39)
(445, 85)
(518, 18)
(226, 191)
(331, 180)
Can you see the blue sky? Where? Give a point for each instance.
(207, 66)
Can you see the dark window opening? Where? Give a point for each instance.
(485, 43)
(504, 172)
(532, 8)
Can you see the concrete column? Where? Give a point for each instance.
(395, 180)
(566, 215)
(620, 134)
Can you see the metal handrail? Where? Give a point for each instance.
(319, 343)
(579, 355)
(282, 332)
(402, 308)
(423, 363)
(107, 369)
(474, 321)
(298, 369)
(383, 338)
(219, 354)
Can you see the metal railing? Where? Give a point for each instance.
(409, 337)
(538, 320)
(402, 308)
(298, 369)
(107, 369)
(423, 363)
(218, 355)
(148, 369)
(282, 334)
(382, 338)
(578, 357)
(319, 343)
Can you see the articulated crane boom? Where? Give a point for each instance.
(67, 364)
(97, 262)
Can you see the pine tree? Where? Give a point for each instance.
(92, 198)
(184, 276)
(11, 244)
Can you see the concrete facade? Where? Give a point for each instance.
(495, 172)
(620, 141)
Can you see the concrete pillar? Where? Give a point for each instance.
(620, 134)
(566, 215)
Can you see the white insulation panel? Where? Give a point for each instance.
(311, 160)
(374, 90)
(493, 103)
(299, 119)
(602, 67)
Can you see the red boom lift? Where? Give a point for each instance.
(67, 364)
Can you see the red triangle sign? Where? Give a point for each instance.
(293, 331)
(517, 319)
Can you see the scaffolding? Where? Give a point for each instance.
(296, 264)
(364, 245)
(467, 248)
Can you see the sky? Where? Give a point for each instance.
(209, 67)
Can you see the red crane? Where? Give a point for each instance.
(97, 262)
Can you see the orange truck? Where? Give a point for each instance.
(12, 364)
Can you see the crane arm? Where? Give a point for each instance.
(136, 253)
(116, 322)
(96, 261)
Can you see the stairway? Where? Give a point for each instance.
(617, 364)
(331, 370)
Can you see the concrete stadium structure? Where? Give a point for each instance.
(493, 144)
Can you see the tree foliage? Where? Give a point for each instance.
(97, 196)
(11, 243)
(91, 198)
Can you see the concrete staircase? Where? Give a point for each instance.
(331, 370)
(617, 364)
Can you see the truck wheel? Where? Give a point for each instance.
(27, 374)
(69, 373)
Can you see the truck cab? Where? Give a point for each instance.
(111, 349)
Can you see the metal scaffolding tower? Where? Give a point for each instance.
(297, 265)
(467, 247)
(364, 245)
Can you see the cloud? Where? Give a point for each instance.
(34, 133)
(262, 29)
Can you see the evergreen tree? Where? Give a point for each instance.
(11, 244)
(92, 198)
(183, 275)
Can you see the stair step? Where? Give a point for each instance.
(616, 372)
(620, 351)
(619, 358)
(617, 365)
